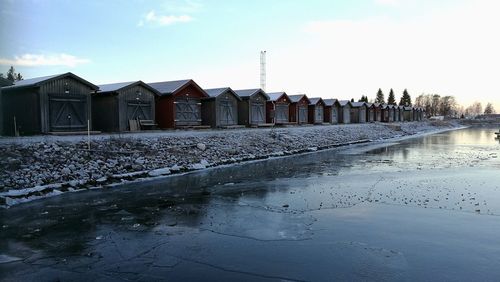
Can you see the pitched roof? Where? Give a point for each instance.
(273, 96)
(245, 93)
(345, 102)
(114, 87)
(37, 81)
(358, 104)
(315, 100)
(330, 102)
(170, 87)
(296, 98)
(215, 92)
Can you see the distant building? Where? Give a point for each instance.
(278, 108)
(252, 107)
(299, 112)
(345, 114)
(332, 111)
(220, 109)
(316, 110)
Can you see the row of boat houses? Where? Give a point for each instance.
(69, 103)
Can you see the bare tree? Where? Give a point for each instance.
(489, 109)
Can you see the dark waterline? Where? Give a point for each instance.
(423, 209)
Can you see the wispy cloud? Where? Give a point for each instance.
(171, 12)
(36, 60)
(152, 18)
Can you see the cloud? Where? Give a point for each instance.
(171, 12)
(35, 60)
(152, 18)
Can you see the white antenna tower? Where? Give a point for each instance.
(263, 70)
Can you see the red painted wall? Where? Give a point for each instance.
(165, 107)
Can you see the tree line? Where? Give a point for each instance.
(12, 75)
(391, 100)
(436, 105)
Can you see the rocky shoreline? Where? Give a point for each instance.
(32, 169)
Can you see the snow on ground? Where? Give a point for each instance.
(36, 164)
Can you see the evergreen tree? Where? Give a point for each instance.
(405, 99)
(11, 74)
(391, 100)
(380, 97)
(352, 100)
(363, 99)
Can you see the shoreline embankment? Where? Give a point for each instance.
(43, 166)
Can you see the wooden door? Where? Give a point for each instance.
(226, 113)
(139, 110)
(362, 115)
(303, 113)
(335, 115)
(281, 113)
(318, 117)
(67, 113)
(347, 114)
(187, 111)
(257, 111)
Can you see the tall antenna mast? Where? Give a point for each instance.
(263, 70)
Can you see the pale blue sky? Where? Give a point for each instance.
(324, 48)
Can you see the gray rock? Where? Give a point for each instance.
(201, 146)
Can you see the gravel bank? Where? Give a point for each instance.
(35, 167)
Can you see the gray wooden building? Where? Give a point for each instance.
(115, 105)
(408, 113)
(332, 111)
(278, 108)
(252, 107)
(401, 113)
(358, 112)
(220, 109)
(316, 110)
(396, 113)
(345, 113)
(56, 103)
(370, 112)
(299, 112)
(3, 82)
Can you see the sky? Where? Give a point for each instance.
(323, 48)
